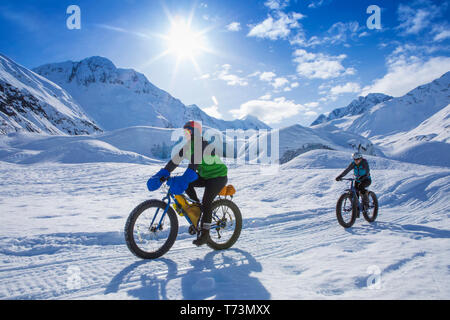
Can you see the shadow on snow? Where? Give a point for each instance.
(219, 275)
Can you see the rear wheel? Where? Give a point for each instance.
(145, 236)
(346, 210)
(226, 224)
(372, 211)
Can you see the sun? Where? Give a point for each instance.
(183, 42)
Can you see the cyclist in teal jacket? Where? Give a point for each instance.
(361, 171)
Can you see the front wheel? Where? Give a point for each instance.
(372, 211)
(226, 224)
(148, 232)
(346, 210)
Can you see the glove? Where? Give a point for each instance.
(338, 178)
(179, 184)
(156, 180)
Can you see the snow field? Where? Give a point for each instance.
(62, 236)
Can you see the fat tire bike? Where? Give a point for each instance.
(152, 227)
(349, 206)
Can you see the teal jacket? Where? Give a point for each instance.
(361, 171)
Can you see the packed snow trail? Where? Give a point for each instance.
(62, 236)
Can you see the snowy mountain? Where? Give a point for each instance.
(400, 114)
(29, 102)
(413, 128)
(356, 107)
(404, 113)
(118, 98)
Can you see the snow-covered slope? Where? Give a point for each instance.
(29, 102)
(119, 98)
(356, 107)
(62, 236)
(132, 145)
(295, 140)
(428, 143)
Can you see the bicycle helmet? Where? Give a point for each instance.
(194, 127)
(357, 155)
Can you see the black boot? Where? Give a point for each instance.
(203, 235)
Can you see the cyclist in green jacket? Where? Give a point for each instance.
(205, 170)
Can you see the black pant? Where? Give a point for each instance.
(363, 184)
(212, 189)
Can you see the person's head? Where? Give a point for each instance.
(357, 156)
(192, 128)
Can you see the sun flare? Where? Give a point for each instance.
(183, 41)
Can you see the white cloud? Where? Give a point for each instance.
(316, 3)
(417, 16)
(312, 104)
(254, 74)
(278, 28)
(279, 82)
(269, 111)
(203, 77)
(349, 87)
(294, 84)
(230, 79)
(319, 65)
(406, 71)
(266, 97)
(213, 111)
(267, 76)
(441, 32)
(338, 33)
(276, 4)
(234, 26)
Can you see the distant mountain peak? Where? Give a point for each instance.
(359, 105)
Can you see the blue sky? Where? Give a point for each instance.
(282, 61)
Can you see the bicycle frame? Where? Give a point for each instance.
(354, 192)
(169, 197)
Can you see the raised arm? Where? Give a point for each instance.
(344, 173)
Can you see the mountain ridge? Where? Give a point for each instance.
(118, 98)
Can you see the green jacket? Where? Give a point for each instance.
(207, 164)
